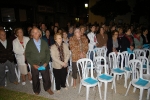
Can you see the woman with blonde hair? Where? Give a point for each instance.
(19, 45)
(60, 55)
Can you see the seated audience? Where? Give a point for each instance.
(48, 38)
(138, 40)
(128, 41)
(112, 43)
(145, 37)
(101, 38)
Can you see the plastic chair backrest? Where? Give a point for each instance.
(147, 51)
(119, 60)
(99, 65)
(82, 64)
(139, 52)
(127, 57)
(134, 65)
(88, 54)
(101, 51)
(144, 61)
(112, 59)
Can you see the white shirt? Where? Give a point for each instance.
(92, 38)
(4, 43)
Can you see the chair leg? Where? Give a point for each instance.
(148, 93)
(54, 88)
(71, 81)
(52, 78)
(99, 90)
(114, 85)
(5, 80)
(117, 77)
(114, 80)
(128, 89)
(125, 79)
(134, 89)
(87, 92)
(80, 88)
(105, 91)
(141, 94)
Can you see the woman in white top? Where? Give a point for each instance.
(19, 45)
(92, 38)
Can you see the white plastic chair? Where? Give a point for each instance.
(127, 58)
(147, 51)
(101, 51)
(17, 71)
(52, 76)
(69, 71)
(85, 79)
(105, 77)
(139, 52)
(117, 69)
(40, 76)
(135, 65)
(145, 65)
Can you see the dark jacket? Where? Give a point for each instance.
(126, 43)
(144, 39)
(51, 40)
(33, 56)
(110, 46)
(6, 53)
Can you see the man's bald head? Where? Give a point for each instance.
(36, 33)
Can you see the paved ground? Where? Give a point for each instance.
(72, 94)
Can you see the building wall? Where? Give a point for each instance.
(92, 17)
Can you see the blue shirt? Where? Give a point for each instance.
(37, 44)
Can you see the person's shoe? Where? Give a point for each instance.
(66, 88)
(36, 93)
(23, 83)
(58, 91)
(31, 81)
(74, 87)
(15, 82)
(50, 92)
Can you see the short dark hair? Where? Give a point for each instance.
(114, 31)
(138, 31)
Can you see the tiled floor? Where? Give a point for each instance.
(72, 94)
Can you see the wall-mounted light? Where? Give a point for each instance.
(77, 19)
(86, 5)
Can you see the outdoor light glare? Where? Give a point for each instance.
(86, 5)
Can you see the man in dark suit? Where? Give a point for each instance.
(6, 59)
(37, 54)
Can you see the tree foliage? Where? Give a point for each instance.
(110, 8)
(142, 8)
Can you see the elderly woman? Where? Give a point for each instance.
(60, 56)
(38, 55)
(79, 47)
(19, 45)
